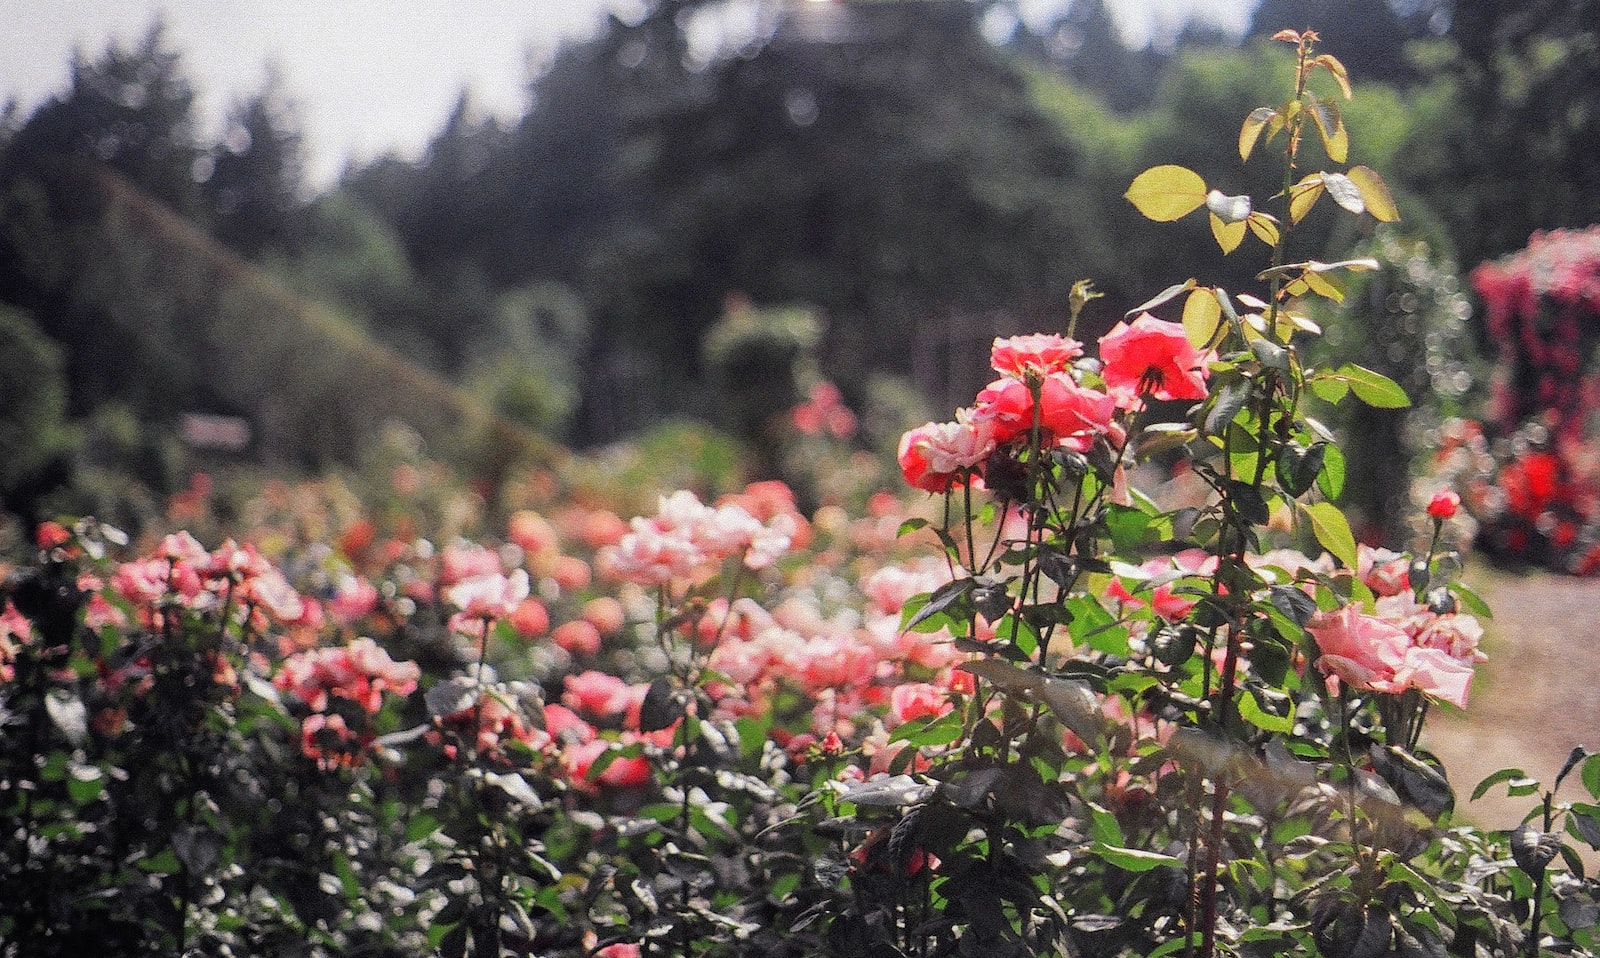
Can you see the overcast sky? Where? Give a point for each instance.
(370, 76)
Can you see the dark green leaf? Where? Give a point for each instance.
(1532, 849)
(1419, 783)
(1293, 603)
(943, 598)
(660, 708)
(1230, 399)
(1578, 754)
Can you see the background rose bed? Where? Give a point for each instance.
(1036, 710)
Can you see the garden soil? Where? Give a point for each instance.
(1536, 698)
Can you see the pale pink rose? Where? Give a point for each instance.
(1385, 573)
(1040, 353)
(492, 595)
(1361, 650)
(460, 562)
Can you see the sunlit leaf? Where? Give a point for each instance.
(1380, 203)
(1331, 479)
(1317, 284)
(1373, 388)
(1332, 530)
(1330, 127)
(1340, 76)
(1134, 859)
(1166, 193)
(1251, 131)
(1202, 318)
(1166, 295)
(1228, 235)
(1344, 192)
(1303, 196)
(1264, 226)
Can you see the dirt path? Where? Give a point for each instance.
(1537, 696)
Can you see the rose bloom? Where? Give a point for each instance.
(933, 456)
(1040, 353)
(1443, 505)
(1069, 413)
(578, 637)
(1369, 653)
(913, 700)
(1152, 357)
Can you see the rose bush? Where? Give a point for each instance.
(1027, 710)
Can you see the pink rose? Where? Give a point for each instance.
(1040, 353)
(1152, 357)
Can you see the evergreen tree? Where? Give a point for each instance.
(258, 174)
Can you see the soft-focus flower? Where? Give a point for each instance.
(481, 597)
(1444, 505)
(578, 637)
(1152, 357)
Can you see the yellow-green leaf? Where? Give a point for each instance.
(1332, 529)
(1265, 226)
(1375, 192)
(1167, 193)
(1340, 75)
(1304, 195)
(1251, 130)
(1374, 388)
(1322, 287)
(1202, 317)
(1229, 235)
(1330, 126)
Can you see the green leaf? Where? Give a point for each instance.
(1251, 711)
(943, 598)
(1532, 849)
(1331, 479)
(1373, 388)
(1230, 399)
(421, 826)
(1332, 531)
(1504, 775)
(1134, 859)
(1471, 600)
(1166, 193)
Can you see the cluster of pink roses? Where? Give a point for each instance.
(1402, 644)
(359, 673)
(181, 571)
(1046, 385)
(686, 537)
